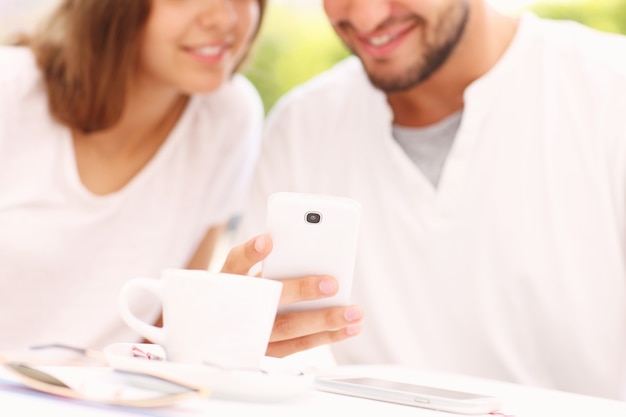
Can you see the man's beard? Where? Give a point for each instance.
(436, 51)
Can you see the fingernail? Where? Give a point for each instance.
(353, 329)
(259, 244)
(328, 286)
(353, 313)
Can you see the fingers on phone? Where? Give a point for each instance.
(294, 325)
(243, 257)
(287, 347)
(308, 288)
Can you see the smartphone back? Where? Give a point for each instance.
(313, 235)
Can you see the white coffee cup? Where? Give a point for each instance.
(208, 317)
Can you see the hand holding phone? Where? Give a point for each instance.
(312, 235)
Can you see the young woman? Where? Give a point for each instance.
(126, 142)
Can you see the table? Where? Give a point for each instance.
(521, 401)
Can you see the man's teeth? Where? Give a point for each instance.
(380, 40)
(209, 50)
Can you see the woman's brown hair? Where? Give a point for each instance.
(87, 51)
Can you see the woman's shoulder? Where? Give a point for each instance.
(237, 96)
(17, 63)
(20, 78)
(235, 109)
(225, 123)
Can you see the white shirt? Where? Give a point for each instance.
(513, 268)
(65, 252)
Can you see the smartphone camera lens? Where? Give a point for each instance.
(313, 217)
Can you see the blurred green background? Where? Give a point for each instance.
(297, 42)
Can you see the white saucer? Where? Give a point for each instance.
(274, 384)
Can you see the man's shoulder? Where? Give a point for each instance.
(347, 71)
(585, 48)
(346, 82)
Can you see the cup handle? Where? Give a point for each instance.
(148, 331)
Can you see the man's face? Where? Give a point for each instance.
(400, 42)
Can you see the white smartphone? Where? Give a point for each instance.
(312, 235)
(409, 394)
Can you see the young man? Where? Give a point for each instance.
(489, 156)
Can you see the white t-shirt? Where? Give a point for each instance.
(65, 252)
(513, 268)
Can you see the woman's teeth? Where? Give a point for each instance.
(208, 50)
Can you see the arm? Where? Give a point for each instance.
(297, 331)
(201, 259)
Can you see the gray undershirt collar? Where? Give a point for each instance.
(428, 147)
